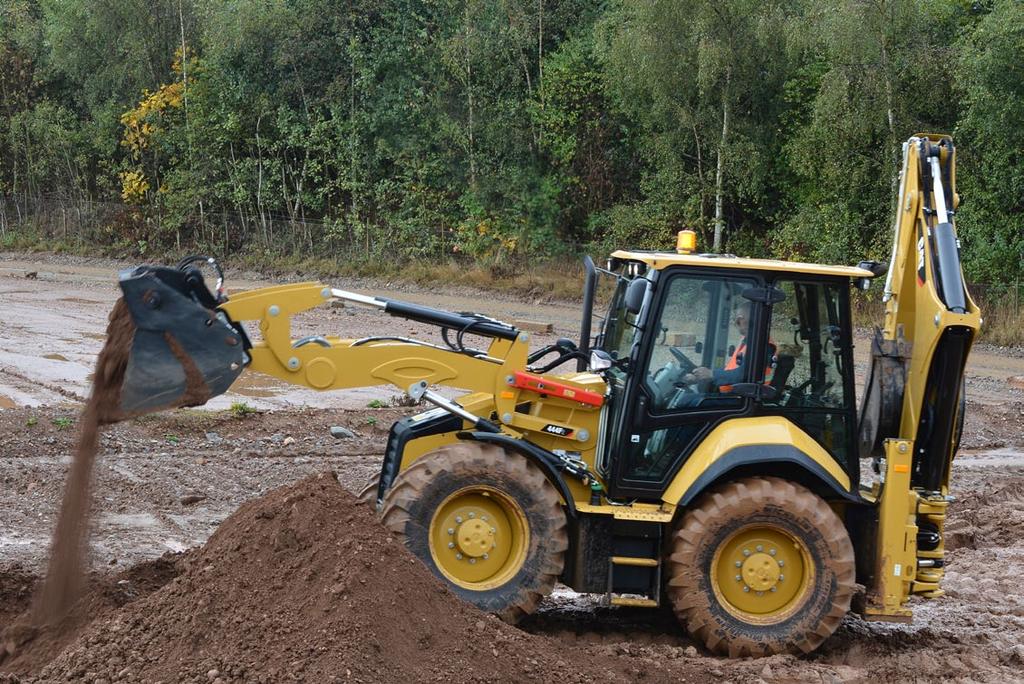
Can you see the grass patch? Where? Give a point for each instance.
(1003, 322)
(63, 422)
(554, 279)
(240, 409)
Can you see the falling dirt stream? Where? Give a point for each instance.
(67, 554)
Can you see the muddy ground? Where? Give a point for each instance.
(164, 483)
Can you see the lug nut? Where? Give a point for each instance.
(493, 530)
(771, 552)
(458, 556)
(472, 561)
(738, 564)
(451, 530)
(759, 593)
(746, 552)
(773, 589)
(781, 563)
(782, 577)
(738, 578)
(484, 518)
(760, 547)
(458, 519)
(451, 545)
(746, 590)
(486, 556)
(472, 514)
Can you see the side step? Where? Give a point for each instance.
(634, 568)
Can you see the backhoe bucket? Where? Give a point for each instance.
(184, 351)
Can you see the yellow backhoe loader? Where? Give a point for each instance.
(702, 449)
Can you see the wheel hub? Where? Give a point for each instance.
(478, 538)
(474, 537)
(760, 572)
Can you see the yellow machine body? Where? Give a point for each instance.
(566, 416)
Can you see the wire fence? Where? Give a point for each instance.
(84, 221)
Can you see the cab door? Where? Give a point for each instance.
(696, 325)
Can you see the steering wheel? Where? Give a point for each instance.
(686, 366)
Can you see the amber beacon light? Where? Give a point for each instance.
(686, 242)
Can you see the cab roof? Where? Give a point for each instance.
(660, 260)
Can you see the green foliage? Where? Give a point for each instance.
(377, 403)
(501, 131)
(991, 80)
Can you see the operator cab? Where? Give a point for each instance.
(697, 340)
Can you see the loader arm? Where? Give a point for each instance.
(329, 362)
(172, 310)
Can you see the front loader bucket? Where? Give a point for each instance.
(184, 350)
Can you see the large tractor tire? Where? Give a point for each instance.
(485, 521)
(761, 566)
(368, 492)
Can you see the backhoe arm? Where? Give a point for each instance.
(930, 319)
(913, 397)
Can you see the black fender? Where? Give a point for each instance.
(781, 460)
(542, 458)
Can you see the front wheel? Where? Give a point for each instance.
(761, 566)
(485, 521)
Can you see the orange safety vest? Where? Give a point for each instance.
(734, 363)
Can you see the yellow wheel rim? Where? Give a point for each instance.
(479, 537)
(762, 574)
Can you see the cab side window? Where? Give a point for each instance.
(809, 372)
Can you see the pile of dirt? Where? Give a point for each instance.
(26, 647)
(304, 584)
(16, 586)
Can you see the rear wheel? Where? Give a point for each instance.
(485, 521)
(761, 566)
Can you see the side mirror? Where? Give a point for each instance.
(635, 293)
(600, 360)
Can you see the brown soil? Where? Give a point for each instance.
(304, 584)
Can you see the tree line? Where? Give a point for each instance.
(509, 130)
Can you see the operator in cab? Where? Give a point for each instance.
(733, 371)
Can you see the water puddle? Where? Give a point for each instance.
(259, 386)
(1005, 457)
(129, 520)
